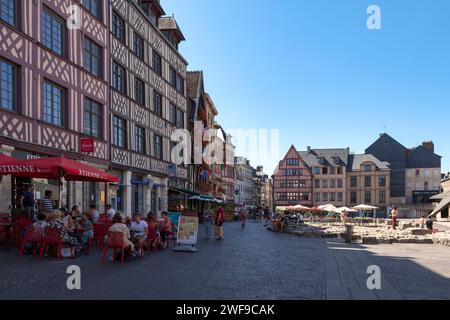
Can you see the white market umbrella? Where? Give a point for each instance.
(347, 209)
(329, 208)
(365, 207)
(299, 207)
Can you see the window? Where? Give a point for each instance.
(324, 196)
(180, 84)
(339, 170)
(118, 77)
(317, 197)
(53, 112)
(367, 181)
(94, 7)
(7, 86)
(340, 183)
(332, 170)
(302, 184)
(119, 132)
(53, 32)
(382, 181)
(426, 185)
(157, 63)
(324, 183)
(382, 197)
(118, 27)
(353, 197)
(180, 119)
(8, 11)
(332, 196)
(92, 57)
(353, 182)
(157, 103)
(367, 167)
(139, 139)
(321, 160)
(426, 173)
(158, 146)
(340, 197)
(368, 197)
(316, 170)
(139, 92)
(324, 170)
(418, 186)
(336, 160)
(418, 173)
(333, 183)
(138, 46)
(172, 114)
(172, 77)
(92, 118)
(292, 162)
(316, 183)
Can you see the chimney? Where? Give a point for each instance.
(309, 150)
(429, 145)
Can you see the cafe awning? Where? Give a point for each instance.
(53, 168)
(185, 191)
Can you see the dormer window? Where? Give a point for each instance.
(152, 9)
(321, 160)
(336, 160)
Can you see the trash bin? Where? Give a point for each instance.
(348, 233)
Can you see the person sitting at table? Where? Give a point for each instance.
(68, 221)
(86, 228)
(94, 213)
(75, 213)
(139, 231)
(41, 223)
(119, 226)
(153, 225)
(165, 228)
(57, 222)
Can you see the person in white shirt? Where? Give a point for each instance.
(95, 215)
(110, 211)
(139, 231)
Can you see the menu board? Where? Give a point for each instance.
(187, 230)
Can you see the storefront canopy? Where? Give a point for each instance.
(53, 168)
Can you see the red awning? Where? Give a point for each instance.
(53, 168)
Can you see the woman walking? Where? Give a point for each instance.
(220, 217)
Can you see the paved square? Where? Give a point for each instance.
(249, 264)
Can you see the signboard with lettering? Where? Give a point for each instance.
(86, 145)
(187, 230)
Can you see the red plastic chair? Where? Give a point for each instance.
(18, 228)
(116, 242)
(52, 238)
(100, 231)
(33, 236)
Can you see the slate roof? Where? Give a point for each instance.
(421, 157)
(312, 158)
(169, 23)
(356, 160)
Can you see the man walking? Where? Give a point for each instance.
(28, 202)
(243, 216)
(394, 214)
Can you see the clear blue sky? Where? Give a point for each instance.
(312, 69)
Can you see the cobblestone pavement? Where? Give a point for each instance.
(249, 264)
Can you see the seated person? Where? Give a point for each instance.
(68, 221)
(165, 227)
(139, 230)
(110, 212)
(429, 224)
(56, 222)
(118, 226)
(86, 228)
(41, 223)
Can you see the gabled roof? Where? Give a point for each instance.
(312, 157)
(385, 139)
(356, 160)
(421, 157)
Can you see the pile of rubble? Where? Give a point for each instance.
(407, 232)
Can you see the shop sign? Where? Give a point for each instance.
(87, 145)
